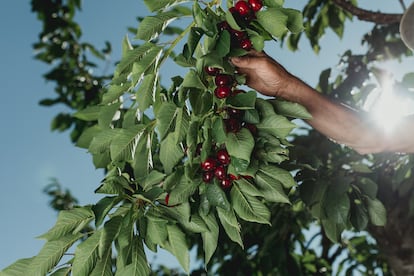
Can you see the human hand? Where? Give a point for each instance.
(264, 74)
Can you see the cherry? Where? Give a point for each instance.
(239, 34)
(255, 5)
(223, 25)
(232, 125)
(252, 128)
(234, 112)
(246, 44)
(233, 177)
(222, 92)
(208, 176)
(212, 71)
(167, 199)
(209, 164)
(223, 156)
(223, 80)
(242, 8)
(225, 183)
(220, 172)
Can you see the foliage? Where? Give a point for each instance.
(152, 142)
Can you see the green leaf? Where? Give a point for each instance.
(110, 232)
(103, 207)
(90, 113)
(103, 266)
(192, 79)
(249, 207)
(294, 21)
(138, 265)
(86, 255)
(154, 178)
(165, 118)
(243, 100)
(69, 222)
(182, 124)
(170, 153)
(182, 191)
(277, 125)
(157, 230)
(50, 255)
(87, 136)
(113, 93)
(107, 114)
(359, 216)
(223, 44)
(376, 211)
(279, 174)
(124, 143)
(332, 230)
(216, 196)
(161, 4)
(146, 92)
(18, 268)
(271, 188)
(274, 20)
(178, 246)
(247, 188)
(151, 26)
(210, 237)
(230, 224)
(290, 109)
(240, 144)
(101, 142)
(337, 207)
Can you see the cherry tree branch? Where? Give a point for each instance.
(367, 15)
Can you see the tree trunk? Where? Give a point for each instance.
(396, 239)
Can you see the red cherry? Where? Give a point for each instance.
(223, 25)
(233, 177)
(209, 164)
(223, 80)
(248, 177)
(222, 92)
(220, 172)
(252, 128)
(225, 183)
(256, 5)
(167, 199)
(208, 176)
(232, 125)
(235, 113)
(242, 8)
(239, 34)
(212, 71)
(246, 44)
(223, 156)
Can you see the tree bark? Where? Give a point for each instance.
(396, 239)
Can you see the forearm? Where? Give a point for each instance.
(338, 122)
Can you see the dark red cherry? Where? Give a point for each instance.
(208, 176)
(222, 92)
(252, 128)
(224, 80)
(233, 177)
(237, 91)
(239, 34)
(225, 183)
(246, 44)
(242, 7)
(223, 157)
(235, 113)
(255, 5)
(209, 164)
(223, 25)
(212, 71)
(220, 172)
(232, 125)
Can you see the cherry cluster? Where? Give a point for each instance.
(244, 12)
(216, 167)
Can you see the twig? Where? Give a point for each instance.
(370, 16)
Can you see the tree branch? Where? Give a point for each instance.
(370, 16)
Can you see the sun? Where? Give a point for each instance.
(386, 107)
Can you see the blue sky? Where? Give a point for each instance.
(31, 154)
